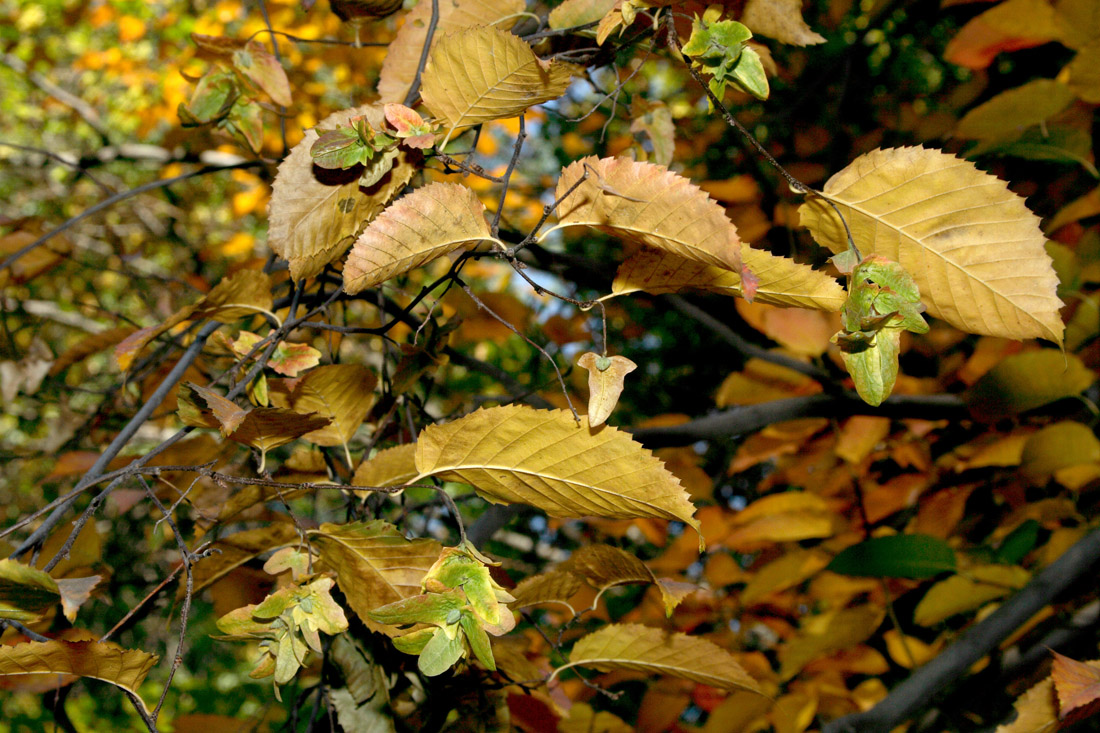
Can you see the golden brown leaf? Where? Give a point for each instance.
(315, 214)
(391, 467)
(650, 205)
(785, 572)
(428, 223)
(342, 392)
(1077, 685)
(555, 586)
(403, 55)
(520, 455)
(604, 385)
(654, 651)
(87, 346)
(482, 74)
(584, 719)
(838, 630)
(972, 245)
(781, 20)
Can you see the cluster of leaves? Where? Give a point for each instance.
(728, 571)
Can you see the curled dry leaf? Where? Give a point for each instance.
(428, 223)
(520, 455)
(605, 383)
(655, 651)
(781, 281)
(973, 247)
(650, 205)
(403, 55)
(315, 214)
(482, 74)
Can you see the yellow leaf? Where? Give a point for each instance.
(483, 74)
(106, 661)
(572, 13)
(1022, 382)
(786, 572)
(391, 467)
(1083, 73)
(583, 719)
(959, 593)
(908, 651)
(825, 635)
(343, 393)
(783, 282)
(650, 205)
(654, 651)
(762, 381)
(315, 214)
(520, 455)
(1036, 711)
(375, 565)
(971, 244)
(403, 55)
(860, 435)
(1058, 446)
(26, 593)
(1009, 113)
(428, 223)
(736, 712)
(604, 385)
(781, 20)
(555, 586)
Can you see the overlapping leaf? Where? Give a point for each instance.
(482, 74)
(403, 55)
(391, 467)
(652, 650)
(428, 223)
(650, 205)
(343, 393)
(316, 214)
(106, 661)
(973, 247)
(781, 20)
(783, 282)
(517, 454)
(26, 593)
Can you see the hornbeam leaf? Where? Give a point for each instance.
(342, 392)
(315, 214)
(652, 650)
(604, 566)
(106, 661)
(391, 467)
(973, 247)
(650, 205)
(783, 282)
(428, 223)
(519, 455)
(483, 74)
(375, 565)
(579, 12)
(403, 55)
(26, 593)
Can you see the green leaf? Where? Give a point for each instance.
(875, 367)
(440, 653)
(913, 556)
(427, 608)
(479, 640)
(1018, 543)
(749, 74)
(26, 593)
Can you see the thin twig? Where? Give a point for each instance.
(414, 88)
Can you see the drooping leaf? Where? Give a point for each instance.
(971, 244)
(343, 393)
(403, 56)
(516, 454)
(391, 467)
(554, 586)
(26, 593)
(242, 294)
(106, 661)
(605, 383)
(604, 566)
(962, 593)
(781, 20)
(1022, 382)
(650, 205)
(428, 223)
(898, 556)
(482, 74)
(374, 565)
(316, 214)
(655, 651)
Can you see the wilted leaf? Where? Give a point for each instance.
(519, 455)
(391, 467)
(26, 593)
(374, 565)
(1025, 381)
(896, 556)
(961, 593)
(605, 383)
(342, 392)
(482, 74)
(782, 281)
(973, 237)
(654, 651)
(316, 214)
(781, 20)
(403, 56)
(650, 205)
(428, 223)
(824, 635)
(106, 661)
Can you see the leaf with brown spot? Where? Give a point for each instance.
(1077, 685)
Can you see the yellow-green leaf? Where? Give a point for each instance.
(1058, 446)
(482, 74)
(26, 593)
(655, 651)
(428, 223)
(650, 205)
(520, 455)
(971, 244)
(962, 593)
